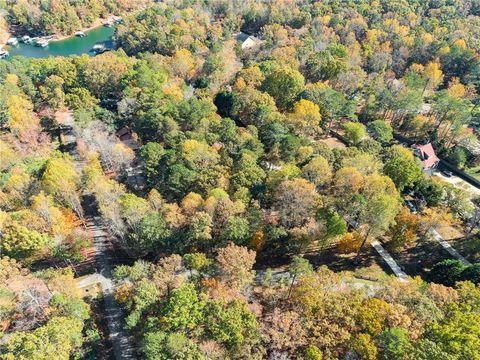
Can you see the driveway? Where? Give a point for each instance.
(459, 183)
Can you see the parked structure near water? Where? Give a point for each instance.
(99, 49)
(42, 43)
(12, 41)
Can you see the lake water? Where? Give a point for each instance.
(71, 46)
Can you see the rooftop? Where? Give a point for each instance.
(427, 155)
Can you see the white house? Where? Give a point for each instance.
(247, 41)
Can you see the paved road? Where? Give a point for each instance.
(389, 260)
(449, 248)
(458, 182)
(121, 339)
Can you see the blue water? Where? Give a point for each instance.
(71, 46)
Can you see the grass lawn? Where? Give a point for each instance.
(474, 171)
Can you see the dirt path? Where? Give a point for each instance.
(120, 338)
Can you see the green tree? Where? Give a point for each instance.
(317, 171)
(426, 350)
(198, 262)
(57, 339)
(237, 230)
(284, 84)
(431, 189)
(61, 179)
(298, 267)
(247, 173)
(333, 104)
(232, 324)
(378, 214)
(327, 64)
(458, 157)
(396, 344)
(336, 224)
(144, 296)
(380, 131)
(184, 309)
(80, 98)
(160, 345)
(20, 242)
(354, 132)
(133, 208)
(151, 153)
(364, 346)
(458, 333)
(402, 167)
(472, 273)
(250, 103)
(151, 235)
(313, 353)
(52, 92)
(447, 272)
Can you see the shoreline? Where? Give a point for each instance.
(95, 25)
(56, 38)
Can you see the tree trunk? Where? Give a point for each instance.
(329, 126)
(357, 257)
(440, 122)
(291, 287)
(424, 88)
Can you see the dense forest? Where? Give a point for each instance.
(243, 156)
(57, 17)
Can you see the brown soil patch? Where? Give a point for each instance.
(333, 143)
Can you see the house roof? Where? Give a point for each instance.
(128, 138)
(248, 41)
(427, 155)
(241, 36)
(123, 131)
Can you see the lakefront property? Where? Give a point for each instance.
(233, 180)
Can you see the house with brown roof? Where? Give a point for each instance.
(427, 156)
(129, 138)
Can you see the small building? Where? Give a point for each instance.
(3, 54)
(99, 48)
(42, 43)
(129, 138)
(427, 156)
(13, 41)
(247, 41)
